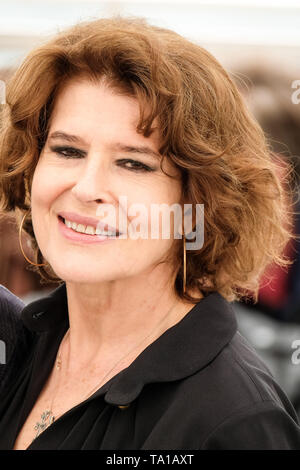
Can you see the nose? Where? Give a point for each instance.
(93, 180)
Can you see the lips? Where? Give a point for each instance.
(84, 220)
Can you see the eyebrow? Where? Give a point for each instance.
(141, 149)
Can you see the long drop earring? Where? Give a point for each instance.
(184, 265)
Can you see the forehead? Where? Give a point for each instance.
(98, 110)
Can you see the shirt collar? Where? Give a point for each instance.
(185, 348)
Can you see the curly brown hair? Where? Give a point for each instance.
(206, 131)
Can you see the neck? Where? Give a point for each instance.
(107, 319)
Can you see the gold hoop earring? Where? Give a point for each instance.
(184, 265)
(20, 242)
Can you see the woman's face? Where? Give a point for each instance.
(94, 156)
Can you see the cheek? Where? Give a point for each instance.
(46, 186)
(155, 216)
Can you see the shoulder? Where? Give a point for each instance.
(7, 297)
(10, 314)
(13, 337)
(240, 376)
(240, 403)
(264, 425)
(250, 378)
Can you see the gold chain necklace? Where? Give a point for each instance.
(47, 416)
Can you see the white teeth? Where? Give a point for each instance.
(103, 232)
(80, 228)
(88, 229)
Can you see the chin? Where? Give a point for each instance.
(78, 275)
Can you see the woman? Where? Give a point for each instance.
(137, 347)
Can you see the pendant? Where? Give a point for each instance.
(47, 419)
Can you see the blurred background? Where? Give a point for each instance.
(258, 42)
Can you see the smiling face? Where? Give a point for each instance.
(94, 156)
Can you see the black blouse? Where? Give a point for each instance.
(200, 385)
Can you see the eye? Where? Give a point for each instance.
(135, 165)
(67, 152)
(71, 152)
